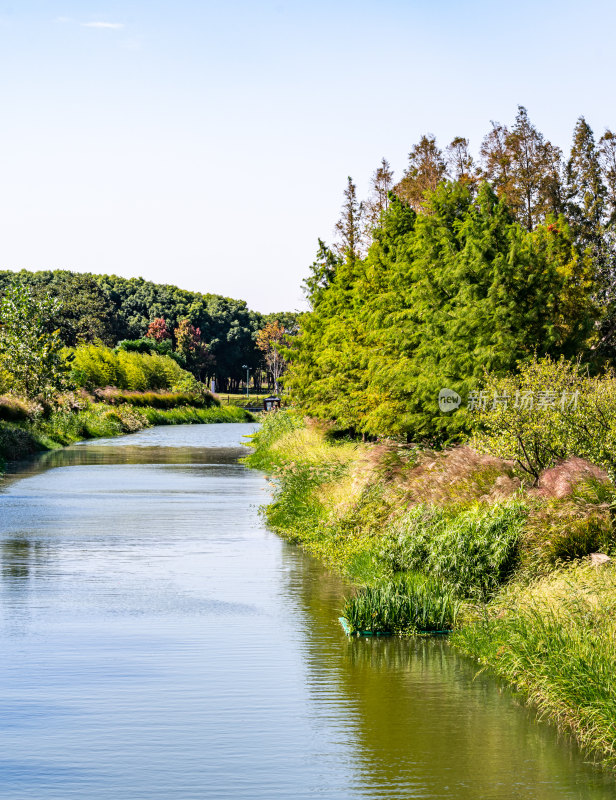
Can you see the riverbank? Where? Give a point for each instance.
(142, 593)
(76, 418)
(529, 602)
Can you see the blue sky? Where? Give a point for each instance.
(208, 144)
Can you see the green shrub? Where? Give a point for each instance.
(95, 366)
(571, 414)
(135, 345)
(473, 549)
(408, 603)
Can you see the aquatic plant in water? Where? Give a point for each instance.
(409, 603)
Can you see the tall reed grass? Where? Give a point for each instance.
(187, 415)
(473, 549)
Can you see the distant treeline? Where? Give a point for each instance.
(459, 268)
(110, 309)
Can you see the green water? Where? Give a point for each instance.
(156, 641)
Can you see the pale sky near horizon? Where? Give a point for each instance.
(208, 144)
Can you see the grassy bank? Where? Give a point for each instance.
(464, 541)
(25, 428)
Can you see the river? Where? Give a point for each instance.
(157, 642)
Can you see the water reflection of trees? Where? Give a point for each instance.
(21, 559)
(418, 718)
(92, 455)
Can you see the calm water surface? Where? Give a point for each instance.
(157, 642)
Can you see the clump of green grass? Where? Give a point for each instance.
(275, 426)
(64, 426)
(555, 641)
(187, 415)
(473, 549)
(406, 604)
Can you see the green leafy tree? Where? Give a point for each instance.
(322, 273)
(607, 161)
(30, 343)
(547, 411)
(589, 213)
(441, 296)
(586, 191)
(86, 313)
(470, 289)
(328, 375)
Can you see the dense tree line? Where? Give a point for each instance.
(458, 268)
(110, 309)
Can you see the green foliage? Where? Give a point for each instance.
(110, 309)
(407, 604)
(85, 313)
(559, 537)
(94, 366)
(227, 326)
(64, 426)
(75, 421)
(441, 297)
(137, 345)
(30, 345)
(571, 413)
(275, 425)
(163, 348)
(474, 549)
